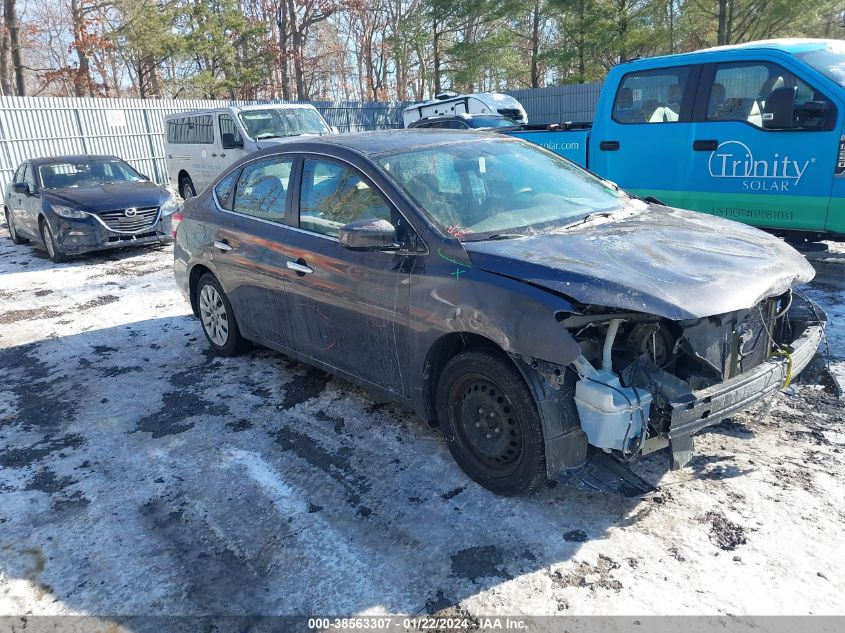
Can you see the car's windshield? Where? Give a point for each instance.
(482, 188)
(86, 173)
(282, 122)
(491, 121)
(829, 61)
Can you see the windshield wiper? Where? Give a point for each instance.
(587, 218)
(504, 236)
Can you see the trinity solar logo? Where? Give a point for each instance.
(733, 159)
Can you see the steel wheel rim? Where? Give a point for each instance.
(215, 320)
(12, 231)
(487, 424)
(48, 240)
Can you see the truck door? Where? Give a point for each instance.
(648, 130)
(764, 148)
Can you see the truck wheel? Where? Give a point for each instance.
(186, 187)
(218, 319)
(13, 232)
(491, 422)
(53, 250)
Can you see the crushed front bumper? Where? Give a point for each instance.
(711, 405)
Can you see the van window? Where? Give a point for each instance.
(651, 96)
(740, 89)
(194, 130)
(230, 135)
(263, 188)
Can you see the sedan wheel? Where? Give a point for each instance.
(50, 244)
(218, 319)
(13, 231)
(490, 421)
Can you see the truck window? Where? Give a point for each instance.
(740, 89)
(651, 96)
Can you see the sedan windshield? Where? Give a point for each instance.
(490, 188)
(829, 61)
(279, 122)
(491, 121)
(88, 173)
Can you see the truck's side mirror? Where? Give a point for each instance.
(21, 187)
(779, 111)
(230, 142)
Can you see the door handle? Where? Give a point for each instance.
(221, 155)
(708, 145)
(300, 268)
(223, 245)
(214, 155)
(609, 146)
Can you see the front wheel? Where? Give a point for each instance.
(53, 249)
(491, 422)
(218, 319)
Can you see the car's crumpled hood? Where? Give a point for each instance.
(108, 197)
(662, 261)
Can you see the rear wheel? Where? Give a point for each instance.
(13, 231)
(491, 423)
(53, 249)
(186, 188)
(218, 319)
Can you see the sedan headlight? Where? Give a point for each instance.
(171, 206)
(68, 212)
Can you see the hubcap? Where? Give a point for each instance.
(488, 423)
(215, 321)
(48, 240)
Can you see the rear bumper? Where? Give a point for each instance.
(712, 405)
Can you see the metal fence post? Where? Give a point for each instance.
(153, 158)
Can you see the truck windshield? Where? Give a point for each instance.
(87, 173)
(829, 61)
(282, 122)
(495, 188)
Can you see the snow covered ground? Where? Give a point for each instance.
(141, 475)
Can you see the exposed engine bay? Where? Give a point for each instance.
(645, 379)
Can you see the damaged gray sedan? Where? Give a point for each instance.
(551, 325)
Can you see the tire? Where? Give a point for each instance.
(218, 319)
(491, 423)
(53, 250)
(13, 232)
(186, 188)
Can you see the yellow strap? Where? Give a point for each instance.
(788, 356)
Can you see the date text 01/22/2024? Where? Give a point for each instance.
(423, 623)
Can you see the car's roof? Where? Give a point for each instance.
(390, 141)
(71, 158)
(788, 45)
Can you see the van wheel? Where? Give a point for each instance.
(186, 187)
(53, 250)
(218, 319)
(491, 423)
(13, 232)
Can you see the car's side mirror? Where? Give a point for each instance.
(779, 111)
(369, 235)
(21, 187)
(230, 142)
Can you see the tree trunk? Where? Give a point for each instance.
(436, 57)
(13, 27)
(535, 45)
(83, 83)
(721, 36)
(5, 84)
(284, 57)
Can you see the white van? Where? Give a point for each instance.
(449, 103)
(200, 144)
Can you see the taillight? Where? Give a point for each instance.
(175, 219)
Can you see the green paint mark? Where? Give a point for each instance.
(453, 261)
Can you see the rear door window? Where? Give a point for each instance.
(740, 89)
(225, 189)
(652, 96)
(262, 189)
